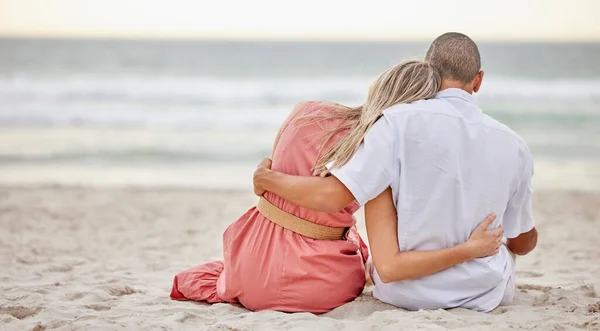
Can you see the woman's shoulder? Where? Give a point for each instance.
(307, 105)
(314, 107)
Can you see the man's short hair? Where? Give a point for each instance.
(455, 56)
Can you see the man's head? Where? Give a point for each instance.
(457, 59)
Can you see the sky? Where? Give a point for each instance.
(506, 20)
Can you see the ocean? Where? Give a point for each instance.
(204, 113)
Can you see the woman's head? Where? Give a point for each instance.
(404, 83)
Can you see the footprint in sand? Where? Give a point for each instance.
(75, 296)
(20, 312)
(589, 291)
(98, 307)
(26, 260)
(60, 268)
(118, 291)
(542, 300)
(500, 311)
(38, 327)
(52, 325)
(528, 287)
(185, 316)
(531, 274)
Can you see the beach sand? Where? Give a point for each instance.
(104, 258)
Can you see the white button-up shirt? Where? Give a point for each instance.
(449, 165)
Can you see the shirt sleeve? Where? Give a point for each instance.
(369, 172)
(518, 217)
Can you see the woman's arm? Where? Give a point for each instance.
(393, 265)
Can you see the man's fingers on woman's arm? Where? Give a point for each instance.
(265, 163)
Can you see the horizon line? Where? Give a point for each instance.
(292, 39)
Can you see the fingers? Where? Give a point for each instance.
(265, 163)
(487, 222)
(497, 232)
(497, 249)
(498, 245)
(258, 191)
(263, 167)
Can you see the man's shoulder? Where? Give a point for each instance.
(407, 108)
(498, 126)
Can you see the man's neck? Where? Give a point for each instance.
(449, 83)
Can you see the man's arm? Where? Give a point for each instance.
(368, 173)
(326, 194)
(393, 265)
(524, 243)
(518, 222)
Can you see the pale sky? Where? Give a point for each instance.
(518, 20)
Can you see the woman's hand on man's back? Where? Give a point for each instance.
(484, 242)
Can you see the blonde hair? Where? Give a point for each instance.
(404, 83)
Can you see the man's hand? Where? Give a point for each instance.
(263, 167)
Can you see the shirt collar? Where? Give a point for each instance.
(456, 93)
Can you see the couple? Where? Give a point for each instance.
(428, 166)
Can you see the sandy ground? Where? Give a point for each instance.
(83, 258)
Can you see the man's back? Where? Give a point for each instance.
(456, 165)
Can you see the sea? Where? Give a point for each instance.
(165, 113)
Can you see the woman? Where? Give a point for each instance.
(276, 256)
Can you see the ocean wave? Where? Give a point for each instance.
(203, 91)
(210, 91)
(208, 102)
(138, 156)
(161, 154)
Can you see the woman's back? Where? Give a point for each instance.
(296, 153)
(269, 267)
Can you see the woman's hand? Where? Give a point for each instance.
(263, 167)
(484, 242)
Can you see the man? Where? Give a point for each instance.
(448, 166)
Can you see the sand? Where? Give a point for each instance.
(104, 258)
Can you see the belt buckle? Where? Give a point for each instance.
(344, 235)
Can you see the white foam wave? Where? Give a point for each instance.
(542, 90)
(265, 91)
(203, 90)
(208, 102)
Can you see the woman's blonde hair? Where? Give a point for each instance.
(404, 83)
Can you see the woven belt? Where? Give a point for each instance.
(297, 224)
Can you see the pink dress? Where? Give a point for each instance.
(267, 267)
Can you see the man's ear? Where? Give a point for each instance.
(477, 81)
